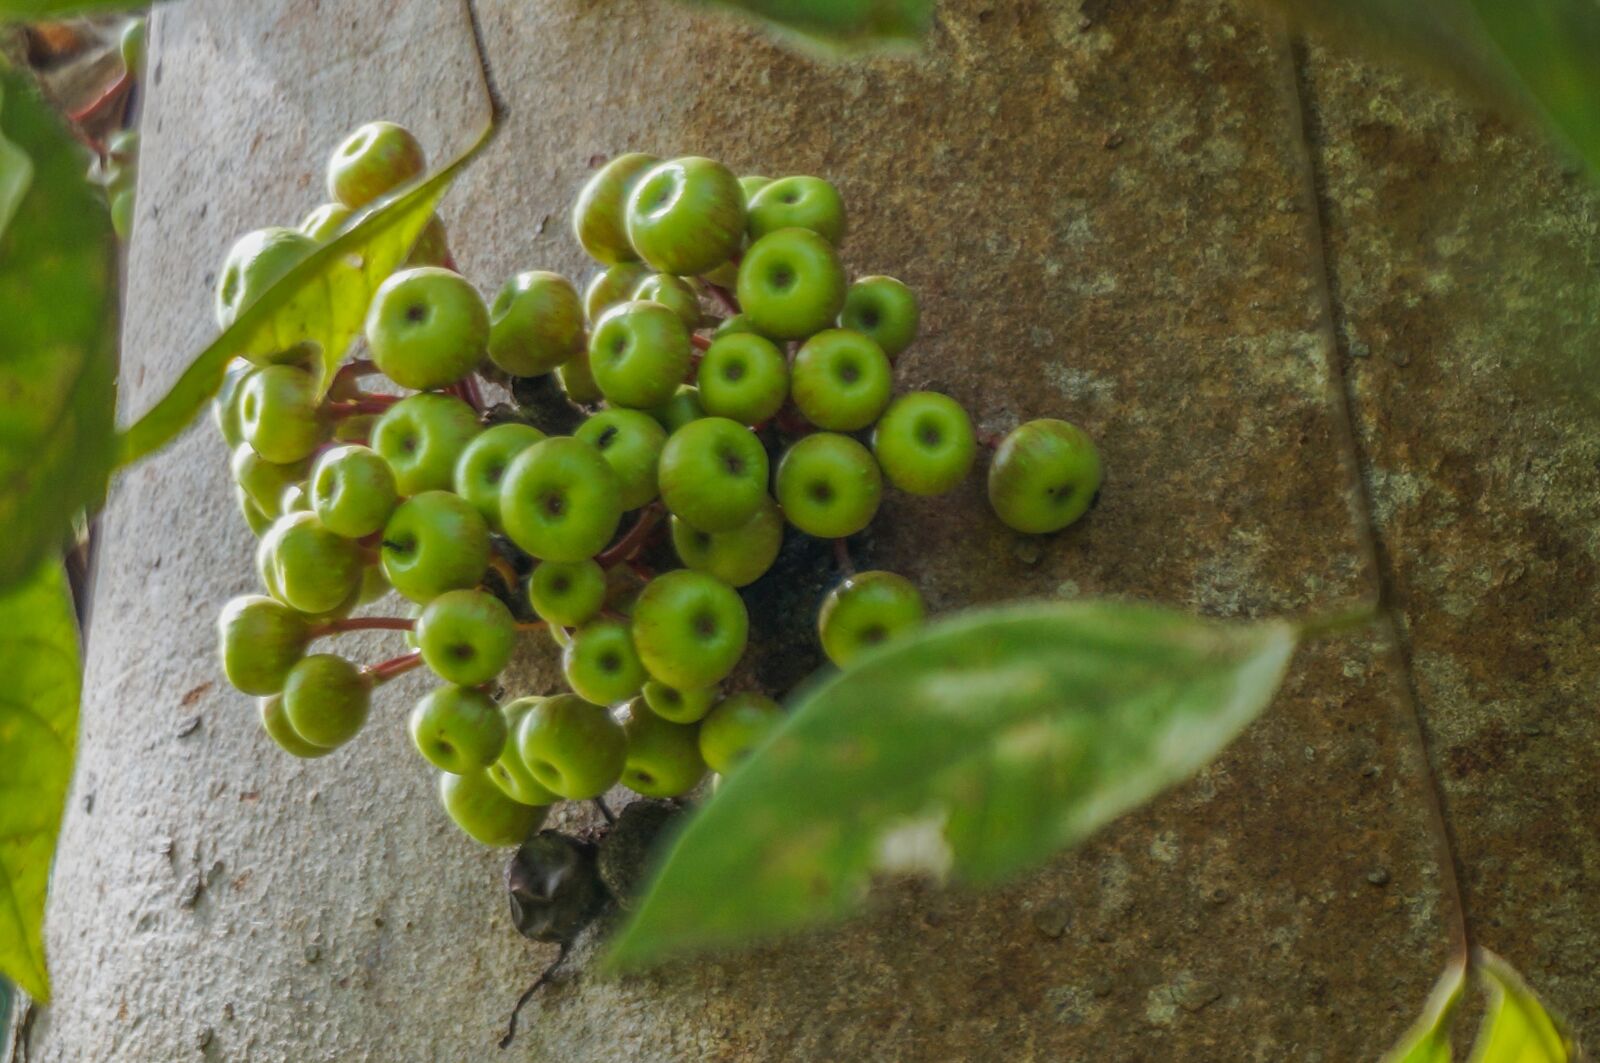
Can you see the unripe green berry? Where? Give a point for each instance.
(673, 293)
(572, 747)
(536, 324)
(578, 381)
(713, 474)
(639, 354)
(353, 491)
(481, 468)
(612, 287)
(925, 443)
(265, 481)
(798, 203)
(324, 223)
(484, 813)
(374, 160)
(508, 771)
(422, 437)
(435, 542)
(735, 727)
(567, 593)
(631, 442)
(663, 758)
(427, 327)
(599, 214)
(560, 501)
(686, 216)
(466, 636)
(326, 699)
(458, 729)
(600, 663)
(791, 284)
(841, 380)
(276, 723)
(679, 706)
(684, 406)
(743, 377)
(1044, 475)
(829, 485)
(260, 639)
(738, 556)
(689, 629)
(883, 308)
(865, 611)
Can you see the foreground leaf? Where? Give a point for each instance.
(22, 10)
(38, 730)
(1428, 1040)
(58, 332)
(1517, 1028)
(324, 299)
(980, 746)
(839, 25)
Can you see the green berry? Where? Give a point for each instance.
(225, 407)
(924, 443)
(686, 216)
(841, 380)
(1044, 475)
(572, 748)
(713, 474)
(312, 569)
(737, 557)
(684, 406)
(612, 287)
(867, 610)
(373, 585)
(791, 284)
(260, 639)
(679, 706)
(258, 521)
(324, 223)
(295, 499)
(599, 215)
(509, 772)
(752, 183)
(535, 324)
(435, 542)
(275, 722)
(265, 481)
(427, 327)
(567, 593)
(466, 636)
(484, 812)
(560, 501)
(132, 46)
(600, 663)
(578, 381)
(735, 727)
(631, 443)
(689, 629)
(326, 699)
(122, 204)
(883, 308)
(375, 159)
(422, 438)
(481, 468)
(743, 377)
(639, 354)
(255, 263)
(798, 203)
(353, 491)
(673, 293)
(663, 758)
(731, 325)
(278, 413)
(829, 485)
(458, 729)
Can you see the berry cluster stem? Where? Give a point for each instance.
(633, 542)
(364, 623)
(384, 671)
(355, 369)
(364, 404)
(113, 92)
(702, 343)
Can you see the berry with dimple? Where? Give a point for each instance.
(713, 474)
(612, 287)
(276, 723)
(599, 215)
(631, 442)
(883, 308)
(865, 611)
(791, 284)
(600, 662)
(924, 443)
(734, 727)
(481, 468)
(255, 263)
(260, 639)
(427, 327)
(577, 380)
(738, 556)
(686, 216)
(639, 354)
(466, 636)
(353, 491)
(312, 569)
(743, 377)
(422, 437)
(798, 203)
(560, 501)
(674, 293)
(689, 629)
(841, 380)
(484, 812)
(265, 481)
(679, 706)
(829, 485)
(377, 158)
(458, 729)
(326, 699)
(535, 323)
(572, 747)
(567, 593)
(663, 758)
(684, 406)
(1044, 475)
(435, 542)
(508, 771)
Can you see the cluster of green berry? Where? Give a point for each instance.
(721, 331)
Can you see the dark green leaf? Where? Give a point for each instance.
(58, 332)
(323, 298)
(1428, 1040)
(1517, 1028)
(840, 25)
(980, 746)
(38, 730)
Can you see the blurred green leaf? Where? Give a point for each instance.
(1517, 1028)
(38, 9)
(1428, 1040)
(839, 25)
(1538, 56)
(980, 746)
(38, 731)
(58, 332)
(323, 299)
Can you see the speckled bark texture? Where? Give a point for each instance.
(1107, 211)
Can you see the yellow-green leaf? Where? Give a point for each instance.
(38, 9)
(979, 747)
(38, 732)
(1428, 1040)
(839, 25)
(324, 299)
(1517, 1028)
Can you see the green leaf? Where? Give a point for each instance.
(22, 10)
(324, 299)
(1517, 1028)
(980, 746)
(1538, 56)
(58, 332)
(38, 730)
(839, 25)
(1428, 1040)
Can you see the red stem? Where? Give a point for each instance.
(364, 623)
(384, 671)
(701, 342)
(365, 404)
(356, 368)
(107, 98)
(630, 544)
(724, 297)
(471, 392)
(841, 556)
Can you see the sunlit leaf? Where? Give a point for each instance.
(39, 9)
(58, 332)
(1517, 1028)
(324, 298)
(978, 747)
(38, 730)
(839, 25)
(1428, 1040)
